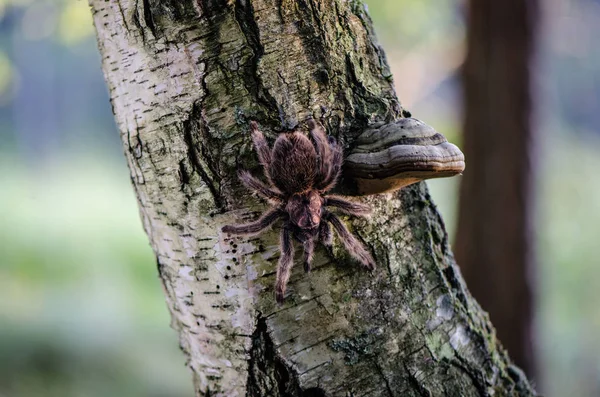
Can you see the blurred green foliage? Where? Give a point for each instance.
(82, 311)
(81, 308)
(413, 23)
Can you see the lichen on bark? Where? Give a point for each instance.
(185, 77)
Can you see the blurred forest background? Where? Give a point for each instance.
(81, 308)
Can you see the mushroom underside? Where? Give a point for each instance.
(391, 156)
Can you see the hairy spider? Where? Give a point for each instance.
(299, 173)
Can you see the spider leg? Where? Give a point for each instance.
(309, 250)
(347, 206)
(263, 190)
(335, 167)
(323, 150)
(286, 261)
(262, 148)
(354, 247)
(266, 220)
(325, 233)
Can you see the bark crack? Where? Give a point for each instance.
(268, 374)
(148, 18)
(310, 27)
(197, 164)
(476, 378)
(123, 16)
(385, 379)
(244, 15)
(416, 384)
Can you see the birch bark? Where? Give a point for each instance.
(185, 77)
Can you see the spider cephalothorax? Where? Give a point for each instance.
(299, 174)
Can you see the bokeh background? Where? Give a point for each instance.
(81, 308)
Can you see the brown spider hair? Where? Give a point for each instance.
(299, 173)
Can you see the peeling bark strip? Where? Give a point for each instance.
(185, 78)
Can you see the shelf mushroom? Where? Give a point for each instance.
(387, 157)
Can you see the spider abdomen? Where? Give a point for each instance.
(294, 165)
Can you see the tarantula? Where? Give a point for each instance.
(299, 174)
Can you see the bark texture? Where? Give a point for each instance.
(185, 78)
(494, 243)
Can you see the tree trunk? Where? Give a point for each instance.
(185, 78)
(494, 239)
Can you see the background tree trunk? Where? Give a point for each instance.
(185, 77)
(494, 243)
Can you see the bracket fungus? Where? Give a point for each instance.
(389, 156)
